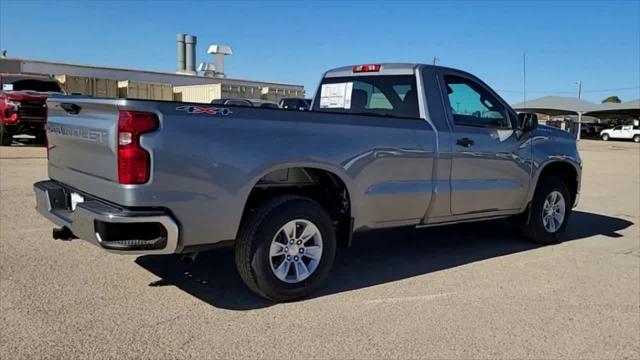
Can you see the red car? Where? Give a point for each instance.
(23, 108)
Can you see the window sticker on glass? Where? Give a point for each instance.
(336, 96)
(7, 87)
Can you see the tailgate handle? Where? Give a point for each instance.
(71, 108)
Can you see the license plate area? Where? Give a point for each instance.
(75, 199)
(58, 198)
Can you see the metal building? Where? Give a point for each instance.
(230, 87)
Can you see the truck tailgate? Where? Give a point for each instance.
(82, 144)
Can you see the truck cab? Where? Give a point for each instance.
(23, 107)
(626, 132)
(485, 155)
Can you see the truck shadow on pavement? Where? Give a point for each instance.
(374, 258)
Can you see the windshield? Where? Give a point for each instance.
(394, 96)
(293, 103)
(35, 85)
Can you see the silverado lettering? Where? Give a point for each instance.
(95, 135)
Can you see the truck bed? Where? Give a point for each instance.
(206, 159)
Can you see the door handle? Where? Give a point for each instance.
(466, 142)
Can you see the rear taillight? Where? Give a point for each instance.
(366, 68)
(134, 162)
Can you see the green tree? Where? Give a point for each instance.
(612, 99)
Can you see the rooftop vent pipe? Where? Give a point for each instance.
(190, 42)
(180, 66)
(219, 52)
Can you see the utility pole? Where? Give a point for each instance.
(435, 60)
(524, 79)
(579, 82)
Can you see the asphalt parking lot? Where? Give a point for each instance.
(464, 291)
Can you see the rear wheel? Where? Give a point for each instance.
(636, 138)
(550, 211)
(605, 137)
(286, 248)
(6, 137)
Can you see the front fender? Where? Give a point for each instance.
(539, 167)
(550, 146)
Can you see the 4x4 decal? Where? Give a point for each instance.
(208, 110)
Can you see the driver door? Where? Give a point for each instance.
(491, 165)
(616, 132)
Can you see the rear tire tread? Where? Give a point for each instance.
(244, 242)
(249, 239)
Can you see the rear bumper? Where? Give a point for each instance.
(26, 126)
(113, 228)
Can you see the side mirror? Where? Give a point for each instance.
(527, 121)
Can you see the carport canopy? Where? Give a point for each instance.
(556, 105)
(613, 110)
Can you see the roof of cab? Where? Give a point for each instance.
(385, 69)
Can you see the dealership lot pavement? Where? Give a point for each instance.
(465, 291)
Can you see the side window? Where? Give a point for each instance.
(472, 105)
(402, 90)
(375, 98)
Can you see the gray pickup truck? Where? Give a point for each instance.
(384, 145)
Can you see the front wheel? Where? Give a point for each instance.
(636, 138)
(605, 137)
(550, 211)
(285, 248)
(6, 137)
(41, 138)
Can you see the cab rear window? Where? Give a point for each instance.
(390, 96)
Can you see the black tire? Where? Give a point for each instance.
(6, 137)
(636, 138)
(41, 138)
(535, 230)
(254, 241)
(605, 137)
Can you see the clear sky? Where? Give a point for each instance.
(294, 42)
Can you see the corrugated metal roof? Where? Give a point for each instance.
(116, 73)
(611, 110)
(562, 105)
